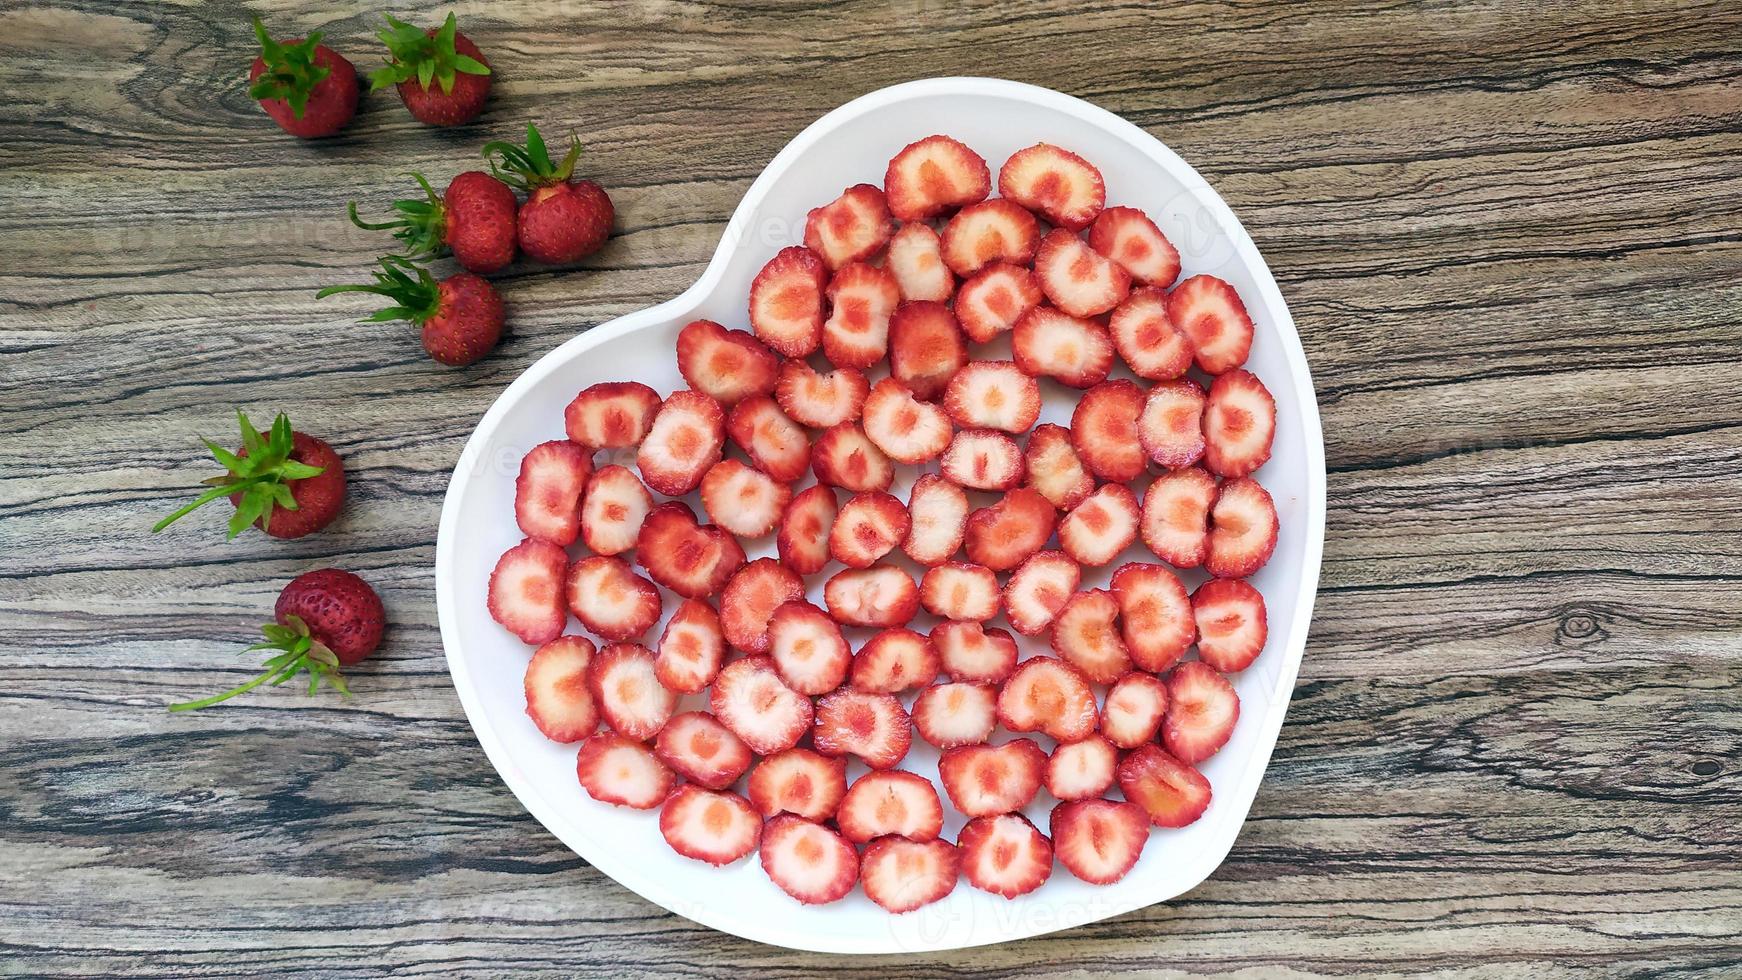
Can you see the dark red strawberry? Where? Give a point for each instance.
(563, 219)
(286, 483)
(474, 218)
(442, 77)
(460, 316)
(307, 88)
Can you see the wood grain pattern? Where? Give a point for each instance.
(1509, 234)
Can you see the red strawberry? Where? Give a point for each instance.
(1066, 189)
(474, 219)
(307, 88)
(917, 260)
(1102, 526)
(926, 347)
(1104, 431)
(547, 494)
(803, 540)
(1076, 278)
(776, 444)
(717, 828)
(1209, 311)
(701, 750)
(269, 469)
(1086, 634)
(820, 400)
(1003, 535)
(1171, 427)
(1038, 589)
(906, 429)
(1157, 616)
(611, 414)
(798, 781)
(1053, 468)
(460, 317)
(563, 220)
(983, 780)
(750, 598)
(726, 365)
(1146, 338)
(557, 698)
(983, 459)
(956, 714)
(742, 500)
(938, 514)
(902, 875)
(1133, 710)
(935, 175)
(1128, 237)
(808, 861)
(961, 591)
(1171, 792)
(807, 648)
(1176, 516)
(612, 510)
(987, 232)
(873, 727)
(862, 298)
(690, 559)
(1232, 626)
(1098, 840)
(442, 77)
(786, 302)
(1081, 769)
(610, 600)
(1242, 529)
(842, 456)
(974, 653)
(1005, 855)
(684, 441)
(526, 591)
(1202, 708)
(868, 527)
(993, 395)
(1239, 423)
(1047, 695)
(749, 698)
(627, 689)
(893, 661)
(1047, 342)
(898, 803)
(993, 299)
(622, 772)
(691, 649)
(851, 228)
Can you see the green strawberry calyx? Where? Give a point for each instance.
(421, 224)
(415, 299)
(298, 653)
(291, 73)
(261, 475)
(417, 55)
(530, 166)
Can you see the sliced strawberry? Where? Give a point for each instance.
(935, 175)
(882, 595)
(852, 227)
(611, 415)
(956, 714)
(1081, 769)
(1176, 516)
(1003, 535)
(1004, 855)
(873, 727)
(820, 400)
(691, 649)
(916, 257)
(974, 653)
(557, 698)
(993, 395)
(983, 459)
(1102, 526)
(1133, 710)
(611, 600)
(700, 749)
(807, 648)
(1086, 634)
(1048, 342)
(893, 661)
(803, 541)
(612, 511)
(1202, 708)
(745, 501)
(1211, 314)
(1243, 529)
(898, 803)
(993, 299)
(726, 365)
(987, 232)
(1053, 468)
(547, 494)
(1156, 615)
(938, 517)
(798, 781)
(959, 590)
(906, 429)
(622, 772)
(868, 527)
(926, 347)
(1077, 279)
(862, 298)
(843, 457)
(1232, 626)
(1104, 431)
(991, 779)
(717, 828)
(749, 698)
(1239, 424)
(1128, 237)
(1046, 694)
(807, 860)
(1170, 791)
(902, 875)
(1146, 338)
(750, 598)
(786, 302)
(1038, 589)
(526, 591)
(627, 689)
(1171, 427)
(776, 444)
(1098, 840)
(1063, 187)
(690, 559)
(686, 438)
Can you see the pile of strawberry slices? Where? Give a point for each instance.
(861, 368)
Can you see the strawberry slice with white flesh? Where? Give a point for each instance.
(743, 500)
(691, 649)
(807, 860)
(1047, 695)
(954, 714)
(807, 648)
(1202, 708)
(893, 661)
(851, 228)
(547, 494)
(803, 539)
(1239, 424)
(611, 415)
(973, 652)
(1053, 467)
(1062, 187)
(982, 459)
(1081, 769)
(750, 699)
(1155, 614)
(926, 347)
(933, 176)
(557, 698)
(1005, 534)
(1176, 516)
(819, 400)
(621, 772)
(693, 560)
(842, 456)
(906, 429)
(1051, 343)
(1077, 279)
(1098, 840)
(713, 827)
(987, 232)
(526, 591)
(749, 599)
(726, 365)
(1173, 793)
(1085, 633)
(992, 300)
(798, 781)
(1145, 337)
(1133, 709)
(901, 875)
(627, 689)
(1243, 529)
(1232, 625)
(937, 511)
(1104, 431)
(612, 511)
(993, 395)
(1103, 525)
(610, 600)
(1211, 314)
(874, 727)
(985, 780)
(1038, 589)
(1005, 855)
(700, 749)
(862, 298)
(898, 803)
(882, 596)
(1171, 428)
(960, 590)
(916, 257)
(786, 302)
(776, 444)
(1128, 237)
(685, 439)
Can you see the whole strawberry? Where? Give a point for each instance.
(562, 219)
(460, 316)
(323, 619)
(309, 89)
(442, 77)
(286, 483)
(474, 219)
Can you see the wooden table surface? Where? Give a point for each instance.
(1510, 234)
